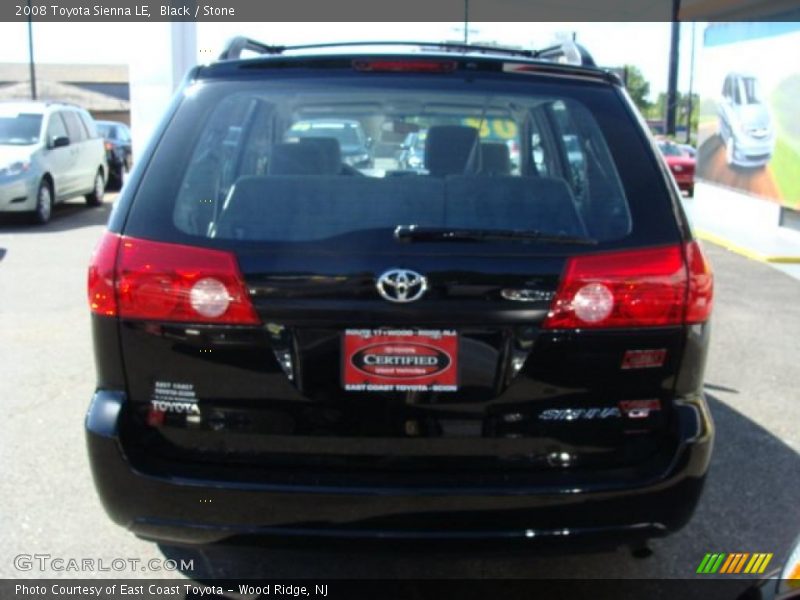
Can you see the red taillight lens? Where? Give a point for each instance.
(700, 297)
(405, 66)
(639, 288)
(102, 298)
(170, 282)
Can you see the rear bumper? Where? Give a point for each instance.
(181, 510)
(684, 179)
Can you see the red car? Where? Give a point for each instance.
(680, 164)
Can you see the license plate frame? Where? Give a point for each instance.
(400, 360)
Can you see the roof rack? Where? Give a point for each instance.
(568, 52)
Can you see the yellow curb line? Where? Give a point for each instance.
(733, 247)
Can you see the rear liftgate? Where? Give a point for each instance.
(465, 371)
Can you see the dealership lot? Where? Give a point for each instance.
(47, 376)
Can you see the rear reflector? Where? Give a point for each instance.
(405, 66)
(167, 282)
(639, 288)
(102, 298)
(700, 296)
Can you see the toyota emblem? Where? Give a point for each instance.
(401, 285)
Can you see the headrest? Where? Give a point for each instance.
(331, 153)
(296, 159)
(495, 159)
(448, 148)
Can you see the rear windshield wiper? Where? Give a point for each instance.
(413, 233)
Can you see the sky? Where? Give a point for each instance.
(645, 45)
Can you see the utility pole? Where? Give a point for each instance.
(691, 89)
(672, 83)
(467, 30)
(30, 52)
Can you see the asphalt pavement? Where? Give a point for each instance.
(48, 500)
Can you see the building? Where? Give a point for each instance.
(104, 90)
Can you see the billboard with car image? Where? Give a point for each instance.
(748, 130)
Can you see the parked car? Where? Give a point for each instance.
(745, 124)
(412, 152)
(119, 155)
(355, 145)
(680, 165)
(467, 352)
(48, 152)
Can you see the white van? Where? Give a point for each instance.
(48, 152)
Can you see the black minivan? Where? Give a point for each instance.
(490, 346)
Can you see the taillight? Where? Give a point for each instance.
(102, 298)
(638, 288)
(404, 65)
(171, 282)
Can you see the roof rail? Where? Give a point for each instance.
(50, 102)
(442, 45)
(238, 44)
(568, 52)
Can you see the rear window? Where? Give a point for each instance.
(313, 161)
(107, 130)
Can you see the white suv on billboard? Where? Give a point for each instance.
(744, 122)
(48, 152)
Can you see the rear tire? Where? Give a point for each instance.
(44, 203)
(95, 197)
(690, 191)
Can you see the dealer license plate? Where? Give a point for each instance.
(400, 360)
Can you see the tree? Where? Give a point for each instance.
(638, 86)
(658, 110)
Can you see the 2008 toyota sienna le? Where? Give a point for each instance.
(287, 344)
